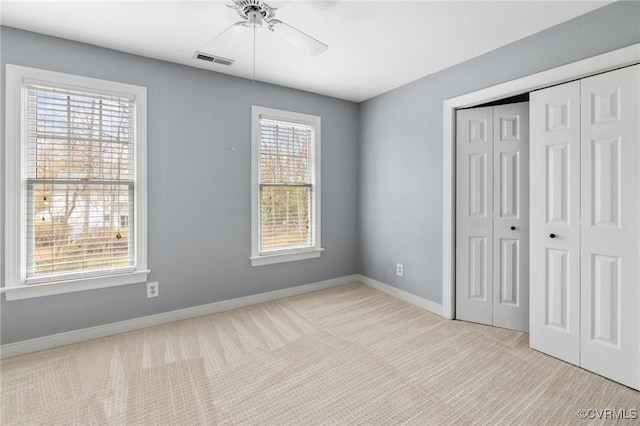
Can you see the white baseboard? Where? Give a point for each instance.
(91, 333)
(426, 304)
(76, 336)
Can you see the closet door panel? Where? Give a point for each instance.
(555, 222)
(511, 216)
(610, 301)
(474, 215)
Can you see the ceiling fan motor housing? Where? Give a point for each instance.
(255, 12)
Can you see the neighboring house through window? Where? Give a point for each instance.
(76, 153)
(285, 206)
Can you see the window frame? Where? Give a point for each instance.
(287, 255)
(15, 287)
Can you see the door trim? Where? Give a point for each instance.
(605, 62)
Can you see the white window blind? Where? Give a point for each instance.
(80, 183)
(287, 186)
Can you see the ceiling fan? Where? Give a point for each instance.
(256, 13)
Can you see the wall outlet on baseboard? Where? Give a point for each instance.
(152, 289)
(400, 269)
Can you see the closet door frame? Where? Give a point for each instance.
(606, 62)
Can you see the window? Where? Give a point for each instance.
(76, 161)
(285, 188)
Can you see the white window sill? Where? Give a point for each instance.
(20, 292)
(270, 259)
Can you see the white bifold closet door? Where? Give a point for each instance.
(585, 223)
(555, 221)
(492, 216)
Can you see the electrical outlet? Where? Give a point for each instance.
(400, 269)
(152, 289)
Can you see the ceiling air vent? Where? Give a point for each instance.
(215, 59)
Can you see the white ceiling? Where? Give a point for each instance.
(374, 46)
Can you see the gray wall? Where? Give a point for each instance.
(400, 167)
(199, 226)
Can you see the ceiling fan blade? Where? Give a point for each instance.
(238, 27)
(297, 37)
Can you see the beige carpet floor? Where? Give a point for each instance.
(349, 355)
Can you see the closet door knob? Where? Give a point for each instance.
(513, 228)
(552, 235)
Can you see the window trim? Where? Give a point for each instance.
(256, 258)
(15, 287)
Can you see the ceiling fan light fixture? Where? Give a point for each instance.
(254, 19)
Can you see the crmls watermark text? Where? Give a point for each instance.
(608, 414)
